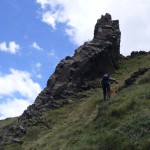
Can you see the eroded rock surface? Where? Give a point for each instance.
(90, 60)
(74, 74)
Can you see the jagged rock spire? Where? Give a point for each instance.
(107, 33)
(89, 61)
(75, 73)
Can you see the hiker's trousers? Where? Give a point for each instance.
(106, 89)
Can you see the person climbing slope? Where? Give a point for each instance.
(105, 83)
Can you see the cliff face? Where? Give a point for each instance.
(107, 34)
(75, 73)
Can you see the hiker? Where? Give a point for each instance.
(105, 82)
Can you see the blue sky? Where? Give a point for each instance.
(36, 34)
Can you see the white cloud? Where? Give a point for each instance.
(36, 46)
(11, 48)
(43, 2)
(50, 19)
(17, 91)
(19, 81)
(80, 17)
(13, 108)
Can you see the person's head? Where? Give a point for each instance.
(106, 74)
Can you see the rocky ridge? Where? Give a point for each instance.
(73, 74)
(77, 73)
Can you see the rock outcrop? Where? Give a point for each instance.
(138, 53)
(75, 73)
(78, 72)
(132, 79)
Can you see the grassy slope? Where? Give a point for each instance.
(123, 123)
(7, 122)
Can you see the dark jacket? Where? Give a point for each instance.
(107, 79)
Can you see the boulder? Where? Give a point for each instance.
(133, 77)
(138, 53)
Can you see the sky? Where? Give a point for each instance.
(36, 34)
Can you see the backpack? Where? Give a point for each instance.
(105, 77)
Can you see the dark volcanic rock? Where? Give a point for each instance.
(138, 53)
(132, 79)
(75, 73)
(78, 72)
(90, 60)
(134, 76)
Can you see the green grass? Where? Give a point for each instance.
(7, 122)
(123, 123)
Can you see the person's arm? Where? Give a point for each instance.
(112, 79)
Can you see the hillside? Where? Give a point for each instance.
(89, 123)
(70, 113)
(72, 75)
